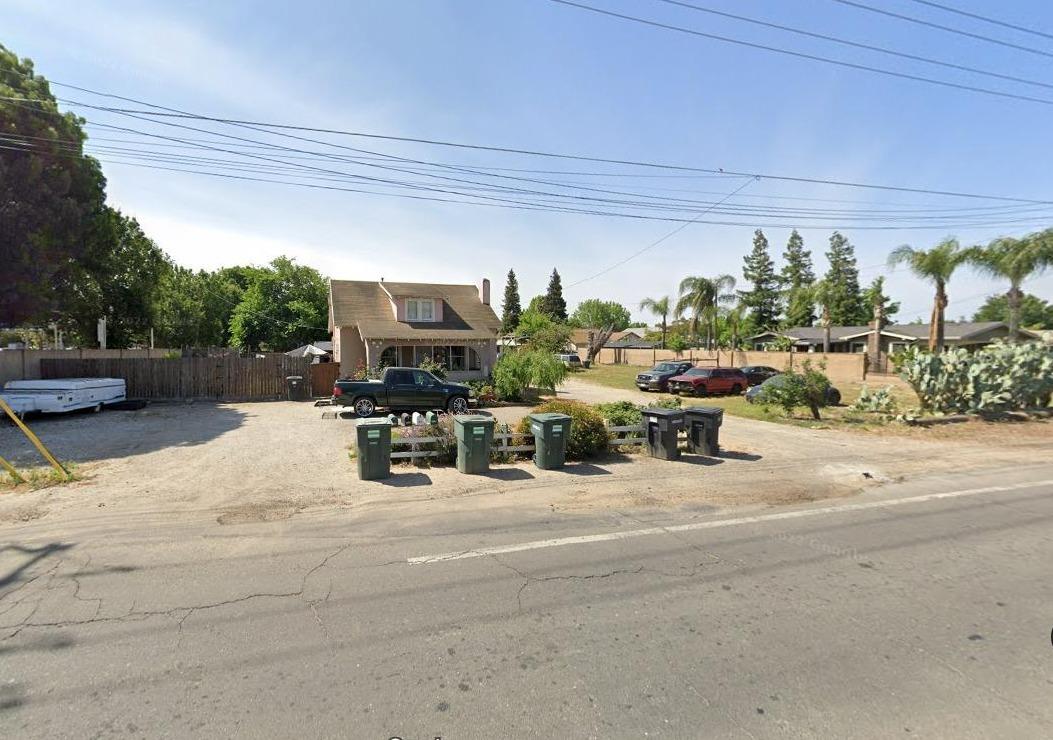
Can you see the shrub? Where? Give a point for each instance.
(875, 402)
(446, 444)
(1000, 377)
(588, 435)
(620, 413)
(433, 366)
(519, 369)
(665, 402)
(806, 388)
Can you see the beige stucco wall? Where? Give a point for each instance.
(839, 366)
(348, 349)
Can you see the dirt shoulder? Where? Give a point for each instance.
(265, 462)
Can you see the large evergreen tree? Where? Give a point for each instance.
(797, 275)
(762, 299)
(846, 302)
(511, 309)
(554, 305)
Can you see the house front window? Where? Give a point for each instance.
(420, 309)
(454, 357)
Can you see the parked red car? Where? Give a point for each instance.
(702, 381)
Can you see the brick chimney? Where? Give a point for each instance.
(484, 292)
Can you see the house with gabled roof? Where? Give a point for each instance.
(385, 324)
(894, 337)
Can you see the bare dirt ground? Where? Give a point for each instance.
(265, 462)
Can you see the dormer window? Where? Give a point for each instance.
(420, 309)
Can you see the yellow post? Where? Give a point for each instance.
(33, 438)
(11, 469)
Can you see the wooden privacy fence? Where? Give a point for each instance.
(223, 378)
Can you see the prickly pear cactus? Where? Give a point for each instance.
(999, 377)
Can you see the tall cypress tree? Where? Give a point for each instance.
(847, 304)
(796, 276)
(762, 299)
(554, 305)
(511, 309)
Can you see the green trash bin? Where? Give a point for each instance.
(374, 449)
(474, 435)
(551, 432)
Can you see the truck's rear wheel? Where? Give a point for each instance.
(457, 405)
(364, 407)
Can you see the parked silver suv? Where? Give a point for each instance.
(569, 359)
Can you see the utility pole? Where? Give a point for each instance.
(101, 333)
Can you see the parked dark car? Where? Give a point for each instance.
(754, 394)
(657, 378)
(757, 374)
(704, 381)
(401, 388)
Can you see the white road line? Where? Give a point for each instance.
(714, 524)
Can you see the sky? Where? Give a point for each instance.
(537, 75)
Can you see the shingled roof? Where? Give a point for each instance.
(367, 305)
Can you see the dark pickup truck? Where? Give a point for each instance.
(657, 378)
(401, 388)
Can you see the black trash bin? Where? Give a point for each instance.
(296, 387)
(703, 429)
(662, 427)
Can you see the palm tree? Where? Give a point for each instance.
(701, 297)
(821, 293)
(936, 264)
(1014, 260)
(659, 307)
(734, 318)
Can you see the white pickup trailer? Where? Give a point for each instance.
(62, 394)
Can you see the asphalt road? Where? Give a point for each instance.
(920, 609)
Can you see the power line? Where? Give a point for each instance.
(856, 44)
(802, 55)
(985, 19)
(658, 241)
(564, 156)
(948, 29)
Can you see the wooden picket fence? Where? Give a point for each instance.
(223, 378)
(505, 442)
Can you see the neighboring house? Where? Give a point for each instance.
(400, 324)
(317, 351)
(579, 339)
(894, 337)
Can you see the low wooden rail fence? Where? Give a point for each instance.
(504, 441)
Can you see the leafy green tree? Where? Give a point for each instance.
(117, 277)
(659, 307)
(846, 303)
(286, 305)
(1035, 313)
(49, 194)
(797, 274)
(194, 309)
(593, 313)
(875, 296)
(553, 303)
(1014, 260)
(810, 387)
(700, 298)
(511, 310)
(762, 299)
(935, 265)
(678, 344)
